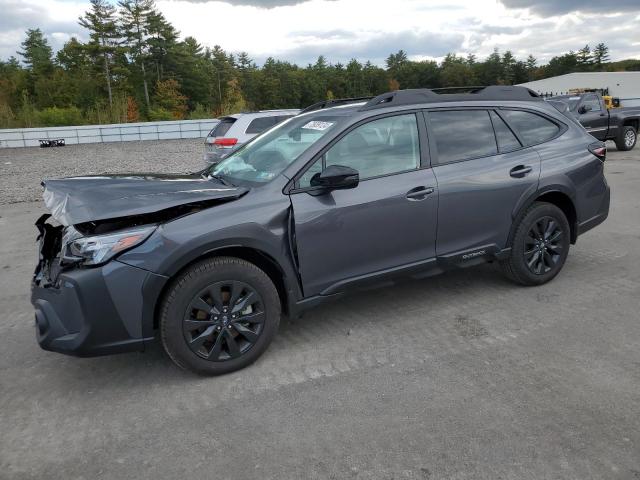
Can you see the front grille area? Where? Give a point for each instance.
(49, 252)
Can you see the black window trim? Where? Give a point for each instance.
(562, 127)
(495, 132)
(423, 145)
(432, 141)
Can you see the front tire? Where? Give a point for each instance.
(627, 138)
(219, 316)
(539, 247)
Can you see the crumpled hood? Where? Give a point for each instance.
(76, 200)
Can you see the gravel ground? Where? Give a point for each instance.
(22, 169)
(459, 376)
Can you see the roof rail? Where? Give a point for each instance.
(425, 95)
(333, 103)
(469, 89)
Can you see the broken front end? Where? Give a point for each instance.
(84, 303)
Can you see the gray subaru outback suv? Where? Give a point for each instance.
(345, 194)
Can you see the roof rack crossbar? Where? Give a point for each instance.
(425, 95)
(334, 102)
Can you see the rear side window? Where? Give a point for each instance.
(259, 125)
(507, 141)
(462, 134)
(222, 128)
(532, 128)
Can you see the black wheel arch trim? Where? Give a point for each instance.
(286, 281)
(532, 196)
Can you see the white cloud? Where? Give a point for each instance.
(56, 18)
(299, 30)
(370, 29)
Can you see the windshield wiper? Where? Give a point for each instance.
(220, 178)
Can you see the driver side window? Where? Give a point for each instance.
(381, 147)
(593, 102)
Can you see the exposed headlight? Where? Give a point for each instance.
(99, 249)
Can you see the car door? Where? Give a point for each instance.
(387, 221)
(480, 180)
(593, 116)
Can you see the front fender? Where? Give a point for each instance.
(177, 244)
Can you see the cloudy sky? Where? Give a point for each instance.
(299, 31)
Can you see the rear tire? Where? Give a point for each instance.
(539, 247)
(219, 316)
(627, 138)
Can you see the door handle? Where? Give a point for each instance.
(520, 171)
(419, 193)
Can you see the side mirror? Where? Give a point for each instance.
(336, 177)
(584, 109)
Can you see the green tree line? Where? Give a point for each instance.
(134, 68)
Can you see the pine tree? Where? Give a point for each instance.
(530, 66)
(396, 60)
(585, 59)
(491, 70)
(600, 54)
(162, 39)
(223, 72)
(103, 34)
(189, 64)
(531, 62)
(244, 62)
(134, 25)
(508, 66)
(36, 52)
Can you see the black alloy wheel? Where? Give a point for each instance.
(543, 245)
(219, 315)
(224, 320)
(539, 245)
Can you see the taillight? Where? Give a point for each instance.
(225, 142)
(599, 149)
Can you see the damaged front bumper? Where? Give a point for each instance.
(92, 311)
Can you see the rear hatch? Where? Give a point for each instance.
(216, 139)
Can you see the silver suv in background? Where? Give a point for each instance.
(235, 130)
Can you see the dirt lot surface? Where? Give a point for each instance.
(22, 169)
(461, 376)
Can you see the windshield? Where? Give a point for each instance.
(270, 153)
(570, 100)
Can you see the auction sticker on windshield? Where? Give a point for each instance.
(317, 125)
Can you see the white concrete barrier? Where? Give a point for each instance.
(118, 132)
